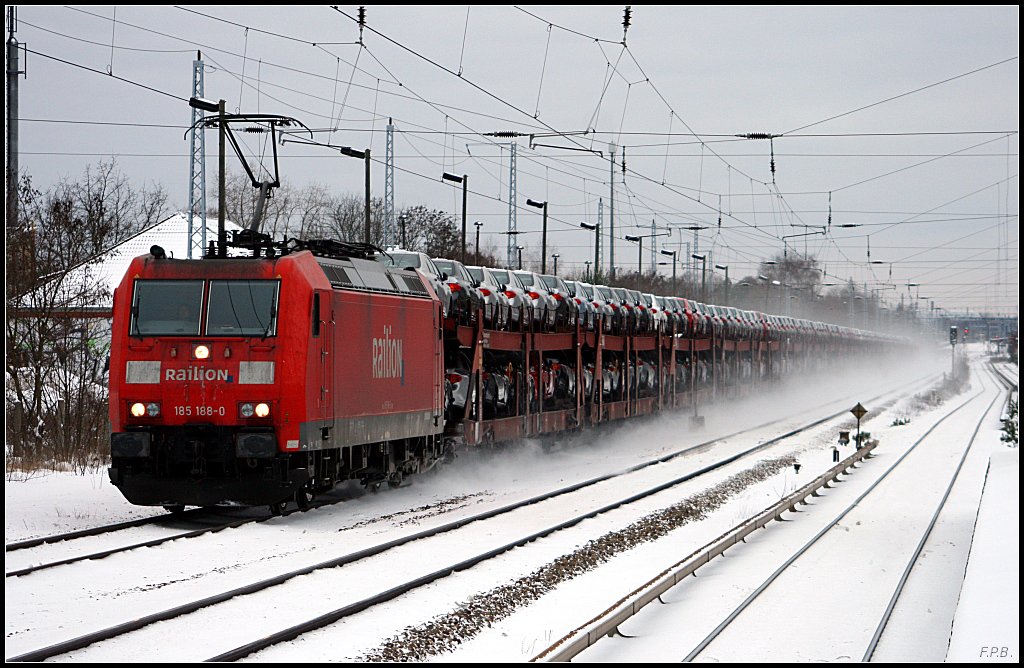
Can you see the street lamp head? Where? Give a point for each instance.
(352, 153)
(776, 283)
(702, 258)
(205, 105)
(556, 255)
(630, 237)
(589, 226)
(478, 224)
(770, 262)
(539, 205)
(520, 247)
(451, 177)
(665, 251)
(723, 267)
(762, 277)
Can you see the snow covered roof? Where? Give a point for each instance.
(107, 270)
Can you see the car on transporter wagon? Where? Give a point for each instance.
(414, 260)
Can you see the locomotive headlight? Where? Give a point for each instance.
(248, 410)
(202, 352)
(138, 409)
(152, 409)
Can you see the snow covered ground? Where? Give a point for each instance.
(97, 593)
(987, 622)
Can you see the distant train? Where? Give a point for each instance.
(271, 376)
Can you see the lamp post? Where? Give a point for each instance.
(478, 226)
(544, 234)
(703, 276)
(555, 258)
(365, 156)
(520, 249)
(672, 254)
(639, 239)
(512, 233)
(587, 263)
(725, 267)
(401, 224)
(696, 235)
(597, 245)
(219, 108)
(767, 289)
(464, 180)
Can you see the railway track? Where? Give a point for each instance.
(884, 621)
(143, 621)
(29, 549)
(701, 644)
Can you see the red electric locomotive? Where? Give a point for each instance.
(258, 380)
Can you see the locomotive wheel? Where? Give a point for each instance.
(278, 508)
(303, 498)
(395, 480)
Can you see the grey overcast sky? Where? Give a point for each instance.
(907, 117)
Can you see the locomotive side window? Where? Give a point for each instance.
(242, 308)
(316, 314)
(167, 308)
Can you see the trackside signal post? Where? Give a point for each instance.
(953, 336)
(858, 412)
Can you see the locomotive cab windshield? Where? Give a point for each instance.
(166, 308)
(239, 307)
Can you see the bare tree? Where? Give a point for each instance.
(56, 327)
(431, 231)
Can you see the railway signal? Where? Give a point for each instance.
(858, 412)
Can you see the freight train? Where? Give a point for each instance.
(274, 372)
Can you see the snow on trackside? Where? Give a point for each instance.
(987, 622)
(51, 502)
